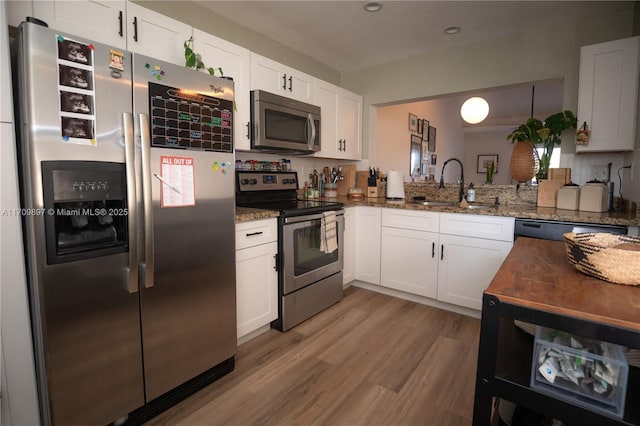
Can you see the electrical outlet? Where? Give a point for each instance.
(598, 172)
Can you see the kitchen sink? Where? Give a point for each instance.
(435, 203)
(480, 206)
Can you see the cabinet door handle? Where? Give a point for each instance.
(275, 260)
(254, 233)
(441, 251)
(120, 23)
(135, 28)
(248, 136)
(433, 250)
(284, 82)
(290, 83)
(344, 148)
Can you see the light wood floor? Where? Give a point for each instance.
(369, 360)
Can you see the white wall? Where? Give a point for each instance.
(487, 141)
(393, 137)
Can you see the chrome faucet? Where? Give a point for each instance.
(461, 176)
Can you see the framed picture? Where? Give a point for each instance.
(425, 169)
(432, 139)
(420, 126)
(413, 123)
(434, 158)
(485, 160)
(425, 130)
(416, 139)
(425, 152)
(431, 173)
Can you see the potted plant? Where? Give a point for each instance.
(194, 60)
(491, 169)
(546, 134)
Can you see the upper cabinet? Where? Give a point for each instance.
(608, 94)
(234, 61)
(152, 34)
(119, 24)
(100, 21)
(277, 78)
(340, 134)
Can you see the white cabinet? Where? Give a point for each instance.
(155, 35)
(472, 249)
(256, 276)
(608, 94)
(101, 21)
(235, 62)
(368, 244)
(349, 250)
(340, 134)
(277, 78)
(409, 253)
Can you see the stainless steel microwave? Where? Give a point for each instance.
(280, 124)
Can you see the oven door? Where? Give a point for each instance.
(303, 261)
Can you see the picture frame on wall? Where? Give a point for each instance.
(432, 139)
(425, 130)
(425, 152)
(416, 139)
(420, 128)
(485, 160)
(434, 159)
(425, 169)
(413, 122)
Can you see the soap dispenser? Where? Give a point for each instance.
(471, 193)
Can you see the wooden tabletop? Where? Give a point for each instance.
(537, 274)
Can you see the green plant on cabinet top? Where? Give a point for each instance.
(194, 60)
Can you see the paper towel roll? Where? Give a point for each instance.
(395, 185)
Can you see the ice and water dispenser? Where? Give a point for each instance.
(85, 209)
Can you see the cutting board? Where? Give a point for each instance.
(349, 173)
(547, 191)
(362, 178)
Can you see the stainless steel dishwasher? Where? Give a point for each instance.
(553, 230)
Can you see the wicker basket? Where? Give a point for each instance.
(524, 163)
(601, 255)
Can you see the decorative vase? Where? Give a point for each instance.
(524, 162)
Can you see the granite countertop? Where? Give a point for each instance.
(245, 214)
(522, 211)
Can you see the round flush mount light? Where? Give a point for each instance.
(372, 6)
(452, 30)
(474, 110)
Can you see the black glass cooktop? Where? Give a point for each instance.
(295, 207)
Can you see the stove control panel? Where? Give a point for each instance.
(266, 181)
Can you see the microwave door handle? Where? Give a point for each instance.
(312, 124)
(131, 271)
(148, 265)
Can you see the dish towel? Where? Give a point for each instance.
(328, 232)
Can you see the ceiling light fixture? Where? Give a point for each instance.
(452, 30)
(474, 110)
(372, 6)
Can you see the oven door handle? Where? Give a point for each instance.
(308, 217)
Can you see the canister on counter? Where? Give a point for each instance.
(568, 197)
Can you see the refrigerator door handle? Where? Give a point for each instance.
(147, 201)
(129, 155)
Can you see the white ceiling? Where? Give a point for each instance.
(343, 36)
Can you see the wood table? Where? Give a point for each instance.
(537, 284)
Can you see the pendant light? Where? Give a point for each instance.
(474, 110)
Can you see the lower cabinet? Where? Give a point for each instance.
(450, 257)
(467, 267)
(368, 244)
(472, 249)
(409, 251)
(256, 276)
(349, 252)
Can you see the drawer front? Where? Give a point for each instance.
(250, 234)
(479, 226)
(410, 219)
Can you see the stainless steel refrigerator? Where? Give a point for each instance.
(127, 185)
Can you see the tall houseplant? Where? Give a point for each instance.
(545, 134)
